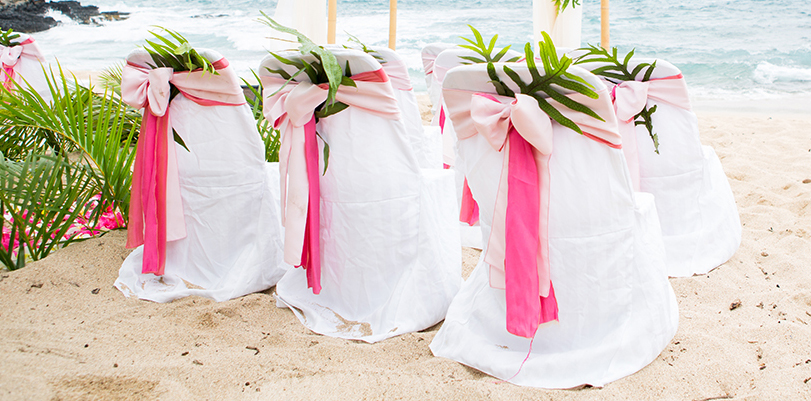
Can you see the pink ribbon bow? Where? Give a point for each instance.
(291, 106)
(630, 97)
(156, 209)
(10, 56)
(518, 246)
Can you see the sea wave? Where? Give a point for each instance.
(767, 73)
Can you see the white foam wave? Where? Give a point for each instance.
(767, 73)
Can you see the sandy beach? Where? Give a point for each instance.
(744, 329)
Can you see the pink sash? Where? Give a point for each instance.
(630, 97)
(10, 56)
(291, 106)
(397, 71)
(156, 210)
(518, 246)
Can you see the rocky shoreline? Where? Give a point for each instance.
(30, 15)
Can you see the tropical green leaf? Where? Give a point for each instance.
(7, 38)
(96, 128)
(38, 202)
(617, 71)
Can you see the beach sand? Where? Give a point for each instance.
(67, 334)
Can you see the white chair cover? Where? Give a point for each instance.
(390, 252)
(700, 223)
(29, 65)
(564, 28)
(427, 143)
(429, 54)
(617, 310)
(233, 230)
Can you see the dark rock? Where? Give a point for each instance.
(29, 16)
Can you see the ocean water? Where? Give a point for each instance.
(727, 49)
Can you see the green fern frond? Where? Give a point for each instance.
(616, 71)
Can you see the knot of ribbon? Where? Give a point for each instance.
(10, 56)
(290, 106)
(156, 209)
(518, 246)
(630, 97)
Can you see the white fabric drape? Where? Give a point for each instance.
(306, 16)
(563, 28)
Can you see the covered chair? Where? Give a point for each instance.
(425, 141)
(571, 287)
(206, 216)
(429, 54)
(24, 62)
(700, 223)
(374, 234)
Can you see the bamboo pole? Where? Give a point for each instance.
(332, 17)
(392, 23)
(604, 29)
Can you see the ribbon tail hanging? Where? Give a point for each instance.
(311, 251)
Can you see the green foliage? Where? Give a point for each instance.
(36, 198)
(324, 70)
(561, 5)
(486, 51)
(555, 75)
(616, 71)
(271, 137)
(178, 56)
(355, 43)
(89, 130)
(7, 37)
(327, 69)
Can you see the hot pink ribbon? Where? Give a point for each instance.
(156, 209)
(10, 56)
(518, 246)
(291, 106)
(630, 97)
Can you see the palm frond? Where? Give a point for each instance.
(7, 38)
(485, 50)
(545, 84)
(615, 70)
(38, 204)
(97, 127)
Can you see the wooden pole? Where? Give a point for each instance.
(604, 34)
(332, 17)
(392, 23)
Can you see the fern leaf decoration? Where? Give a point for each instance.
(7, 38)
(484, 50)
(179, 56)
(560, 5)
(554, 74)
(616, 71)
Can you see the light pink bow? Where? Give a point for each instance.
(630, 97)
(518, 246)
(291, 106)
(10, 56)
(156, 209)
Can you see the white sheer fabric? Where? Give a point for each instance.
(564, 28)
(306, 16)
(30, 66)
(390, 252)
(617, 310)
(700, 222)
(233, 241)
